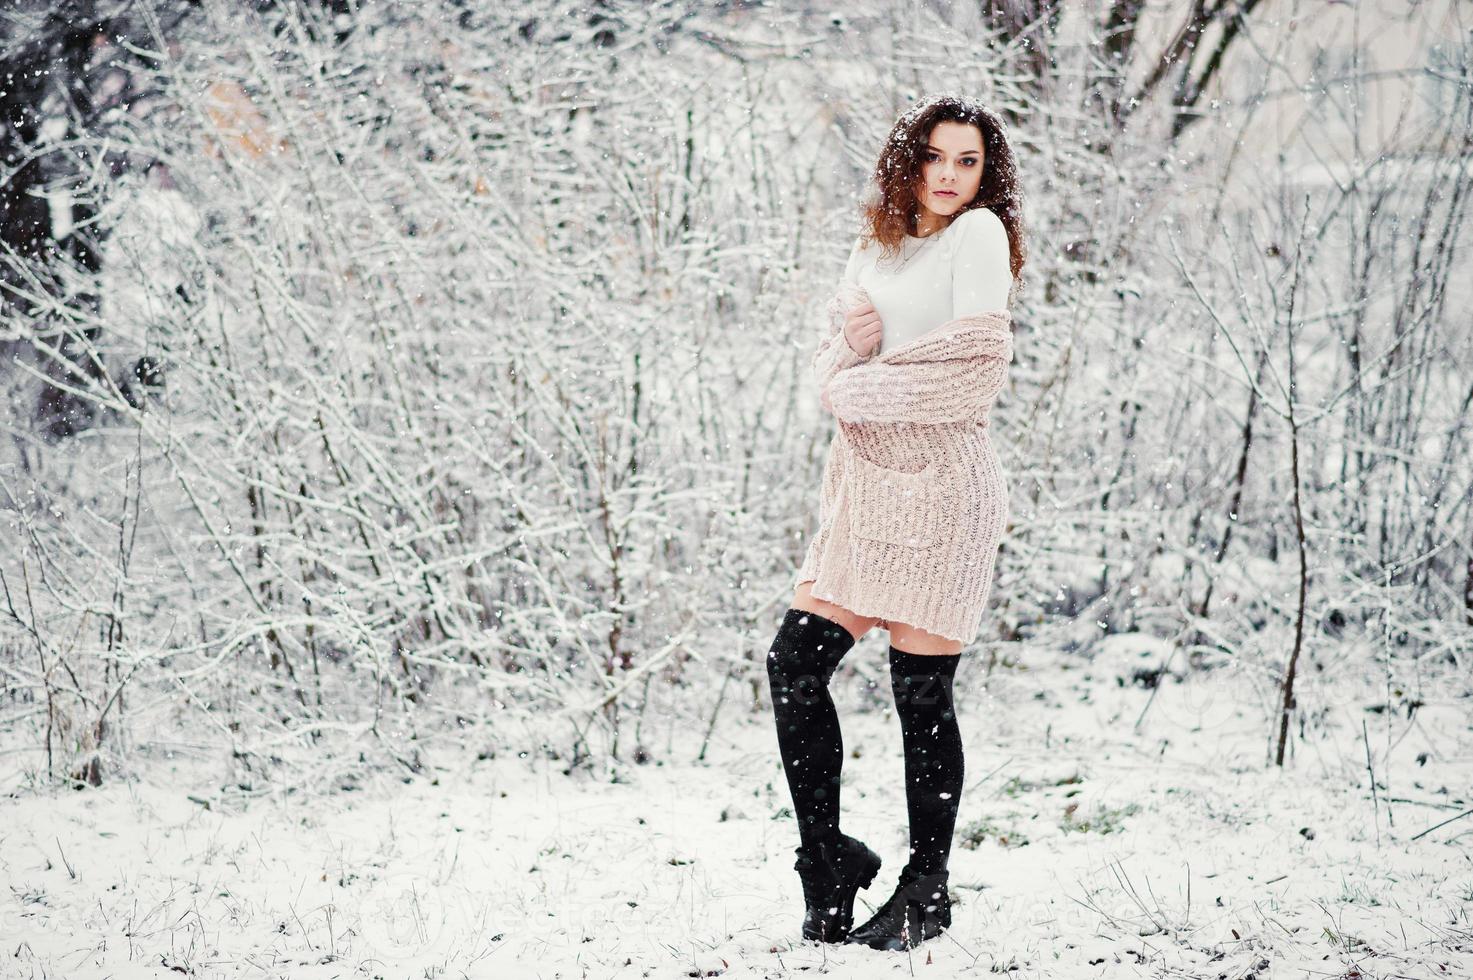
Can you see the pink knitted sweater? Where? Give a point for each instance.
(913, 500)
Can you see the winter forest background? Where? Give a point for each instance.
(409, 401)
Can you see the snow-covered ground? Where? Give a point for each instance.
(1085, 848)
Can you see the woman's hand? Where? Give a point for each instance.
(862, 329)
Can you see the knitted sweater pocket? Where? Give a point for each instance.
(895, 507)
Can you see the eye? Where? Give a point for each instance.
(932, 156)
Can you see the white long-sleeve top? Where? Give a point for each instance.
(958, 271)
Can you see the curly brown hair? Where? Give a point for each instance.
(892, 214)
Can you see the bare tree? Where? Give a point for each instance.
(486, 334)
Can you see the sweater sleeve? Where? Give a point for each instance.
(834, 353)
(958, 390)
(981, 272)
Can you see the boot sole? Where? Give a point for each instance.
(893, 944)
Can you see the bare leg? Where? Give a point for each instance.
(913, 639)
(857, 626)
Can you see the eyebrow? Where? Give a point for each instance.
(961, 154)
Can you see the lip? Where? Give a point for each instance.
(944, 193)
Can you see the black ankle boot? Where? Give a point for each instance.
(832, 871)
(919, 910)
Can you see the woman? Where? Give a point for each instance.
(913, 501)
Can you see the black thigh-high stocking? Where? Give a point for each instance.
(803, 656)
(934, 765)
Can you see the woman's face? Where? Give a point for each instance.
(951, 169)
